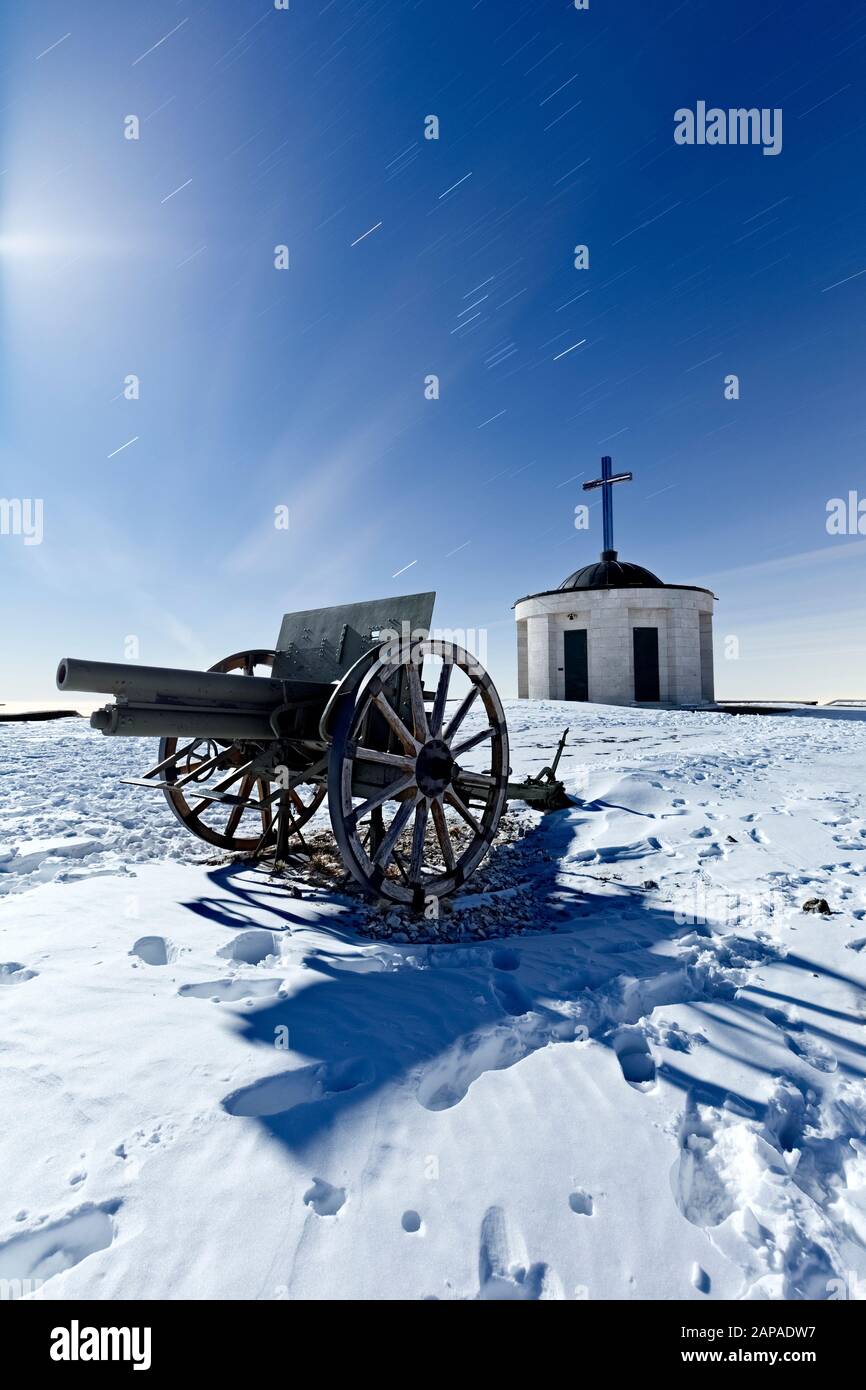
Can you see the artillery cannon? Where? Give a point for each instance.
(249, 749)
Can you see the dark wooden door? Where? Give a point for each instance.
(646, 663)
(576, 665)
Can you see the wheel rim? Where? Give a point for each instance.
(226, 825)
(418, 745)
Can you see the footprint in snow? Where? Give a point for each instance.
(277, 1094)
(153, 950)
(325, 1199)
(635, 1058)
(701, 1191)
(144, 1142)
(511, 998)
(251, 947)
(229, 991)
(445, 1082)
(816, 1053)
(50, 1249)
(783, 1018)
(12, 973)
(500, 1277)
(786, 1115)
(675, 1037)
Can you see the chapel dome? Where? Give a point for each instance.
(611, 573)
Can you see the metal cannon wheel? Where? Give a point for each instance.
(222, 823)
(440, 758)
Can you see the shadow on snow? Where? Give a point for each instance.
(433, 1018)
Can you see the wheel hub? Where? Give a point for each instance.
(434, 769)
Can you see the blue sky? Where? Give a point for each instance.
(305, 387)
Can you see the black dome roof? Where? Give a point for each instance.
(611, 573)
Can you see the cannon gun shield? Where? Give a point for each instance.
(323, 644)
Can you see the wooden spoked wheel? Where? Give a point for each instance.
(236, 824)
(417, 779)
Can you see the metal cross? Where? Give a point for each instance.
(605, 482)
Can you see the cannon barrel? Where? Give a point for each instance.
(155, 701)
(146, 684)
(175, 721)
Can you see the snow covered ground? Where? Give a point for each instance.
(642, 1074)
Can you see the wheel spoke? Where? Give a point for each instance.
(264, 794)
(441, 697)
(374, 755)
(472, 742)
(401, 866)
(441, 824)
(237, 811)
(395, 830)
(377, 831)
(463, 810)
(418, 841)
(386, 794)
(416, 696)
(409, 743)
(465, 705)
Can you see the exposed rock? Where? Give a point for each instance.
(817, 905)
